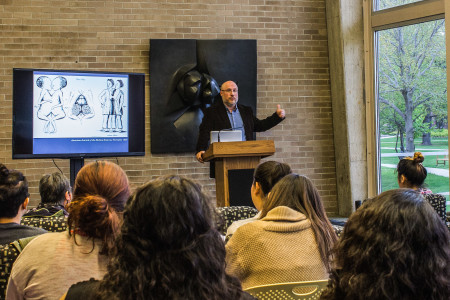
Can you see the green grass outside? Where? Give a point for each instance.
(438, 184)
(433, 182)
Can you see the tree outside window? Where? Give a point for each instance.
(412, 99)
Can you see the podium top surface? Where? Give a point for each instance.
(261, 148)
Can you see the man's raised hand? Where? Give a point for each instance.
(280, 112)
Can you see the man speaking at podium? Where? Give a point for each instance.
(231, 115)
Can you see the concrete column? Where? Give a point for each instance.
(346, 56)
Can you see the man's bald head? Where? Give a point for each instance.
(229, 94)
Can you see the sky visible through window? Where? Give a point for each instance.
(385, 4)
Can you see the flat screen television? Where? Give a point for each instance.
(77, 114)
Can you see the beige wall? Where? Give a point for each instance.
(293, 69)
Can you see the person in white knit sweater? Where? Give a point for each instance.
(290, 242)
(266, 175)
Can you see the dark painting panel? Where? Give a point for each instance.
(185, 76)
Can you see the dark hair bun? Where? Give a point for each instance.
(4, 173)
(418, 157)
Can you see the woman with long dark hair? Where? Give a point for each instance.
(168, 248)
(290, 242)
(52, 262)
(266, 175)
(393, 247)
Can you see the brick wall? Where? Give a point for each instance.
(293, 70)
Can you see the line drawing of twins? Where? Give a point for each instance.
(112, 102)
(80, 106)
(120, 98)
(50, 107)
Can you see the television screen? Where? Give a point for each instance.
(77, 114)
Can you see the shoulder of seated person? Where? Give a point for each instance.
(235, 225)
(246, 231)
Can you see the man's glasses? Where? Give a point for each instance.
(230, 90)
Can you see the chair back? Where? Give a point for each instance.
(289, 290)
(338, 229)
(229, 214)
(438, 202)
(51, 224)
(8, 255)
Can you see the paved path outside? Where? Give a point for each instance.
(425, 154)
(435, 171)
(417, 149)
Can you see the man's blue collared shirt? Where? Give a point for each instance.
(236, 121)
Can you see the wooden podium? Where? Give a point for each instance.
(234, 156)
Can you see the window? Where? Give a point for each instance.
(385, 4)
(406, 89)
(412, 100)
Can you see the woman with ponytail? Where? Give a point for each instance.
(51, 263)
(291, 241)
(266, 175)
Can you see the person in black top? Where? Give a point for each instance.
(14, 198)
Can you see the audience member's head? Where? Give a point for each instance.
(393, 247)
(100, 193)
(266, 175)
(13, 192)
(168, 247)
(410, 171)
(55, 189)
(299, 193)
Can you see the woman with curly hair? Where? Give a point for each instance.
(411, 174)
(290, 242)
(52, 262)
(393, 247)
(168, 248)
